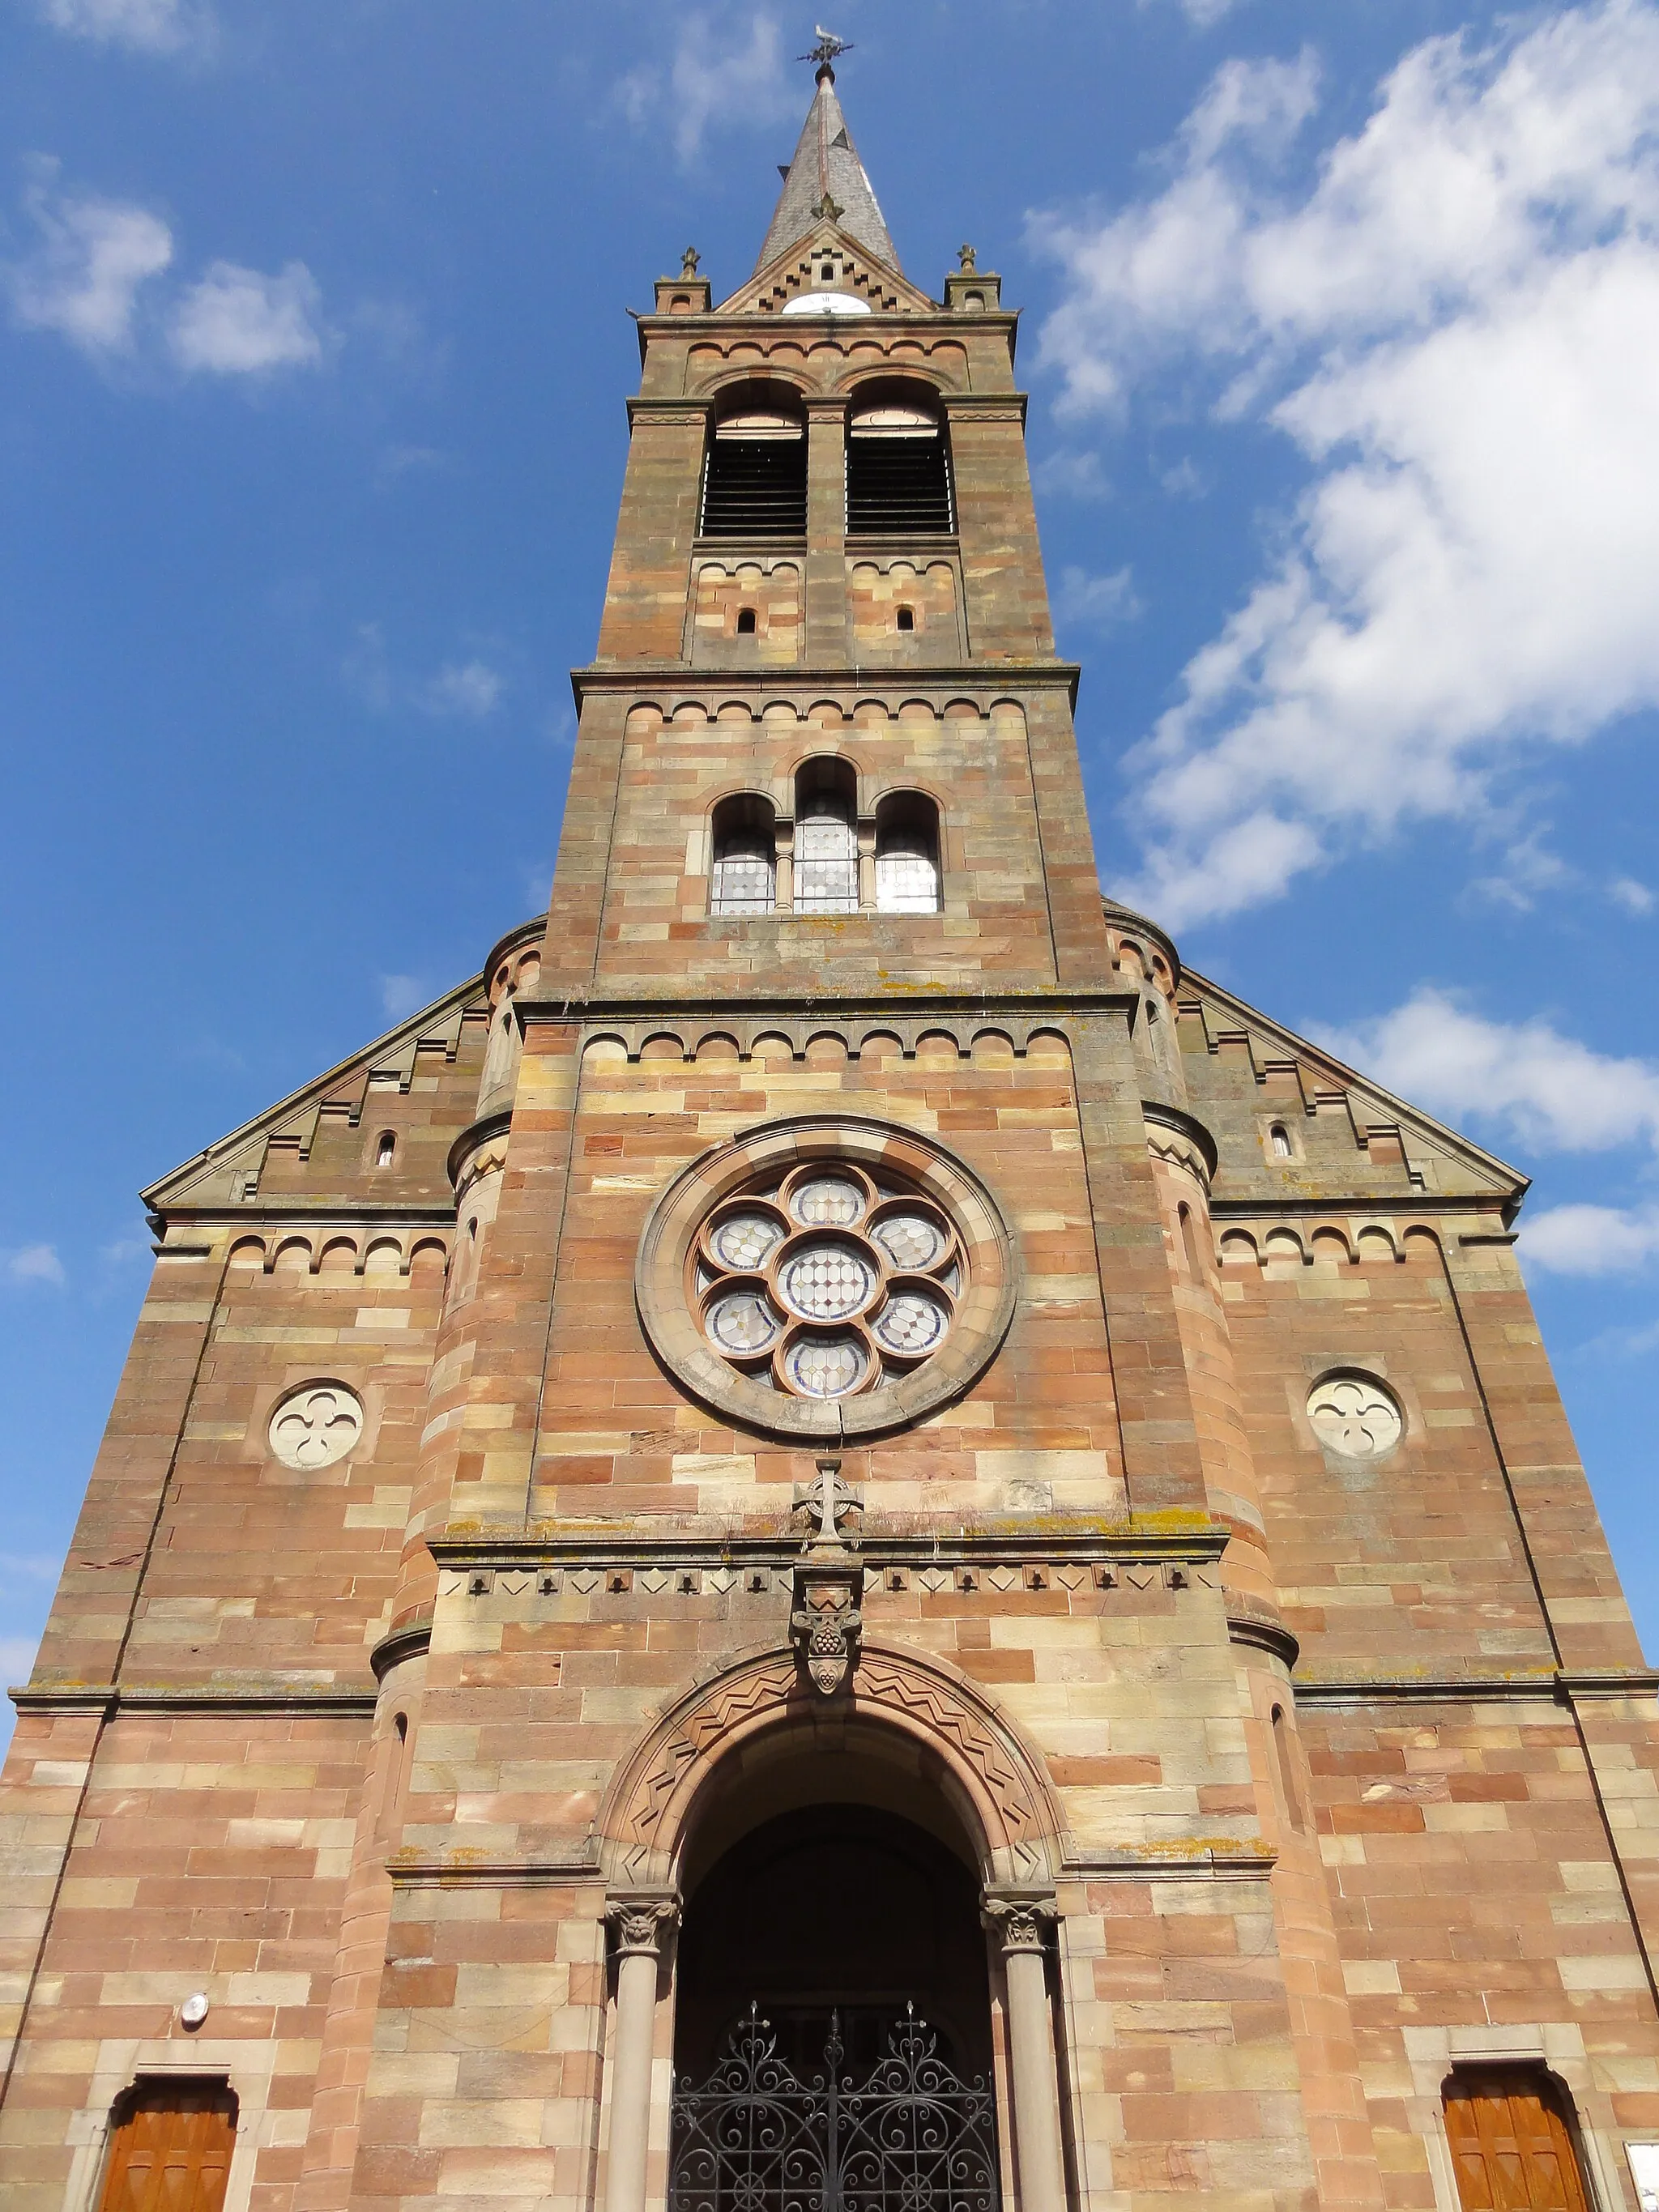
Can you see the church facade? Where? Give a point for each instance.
(836, 1541)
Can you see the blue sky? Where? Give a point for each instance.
(1338, 324)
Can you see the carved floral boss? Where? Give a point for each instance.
(826, 1277)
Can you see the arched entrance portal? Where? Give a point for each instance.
(833, 1910)
(807, 1887)
(833, 2024)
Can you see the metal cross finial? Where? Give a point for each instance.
(828, 49)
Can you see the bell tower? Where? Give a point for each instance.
(826, 741)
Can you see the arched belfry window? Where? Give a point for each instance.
(744, 876)
(898, 466)
(754, 483)
(907, 854)
(826, 838)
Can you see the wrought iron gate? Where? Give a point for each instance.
(910, 2137)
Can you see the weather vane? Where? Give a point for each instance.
(828, 48)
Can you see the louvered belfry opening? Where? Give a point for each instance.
(754, 482)
(898, 467)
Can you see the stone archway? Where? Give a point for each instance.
(996, 1784)
(900, 1707)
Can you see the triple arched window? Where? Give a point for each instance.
(829, 870)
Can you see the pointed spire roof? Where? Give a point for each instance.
(826, 163)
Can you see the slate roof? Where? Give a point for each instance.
(826, 161)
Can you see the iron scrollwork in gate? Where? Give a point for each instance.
(911, 2137)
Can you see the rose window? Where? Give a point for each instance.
(828, 1281)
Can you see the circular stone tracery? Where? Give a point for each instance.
(315, 1426)
(824, 1281)
(826, 1277)
(1355, 1414)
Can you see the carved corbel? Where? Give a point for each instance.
(826, 1622)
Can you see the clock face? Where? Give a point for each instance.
(827, 303)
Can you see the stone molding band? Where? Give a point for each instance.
(1553, 1682)
(159, 1698)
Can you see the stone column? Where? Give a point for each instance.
(1016, 1921)
(641, 1920)
(826, 529)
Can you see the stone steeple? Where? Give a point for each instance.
(826, 164)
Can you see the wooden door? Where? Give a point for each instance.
(171, 2151)
(1511, 2146)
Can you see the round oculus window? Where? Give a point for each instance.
(1356, 1415)
(826, 1277)
(316, 1426)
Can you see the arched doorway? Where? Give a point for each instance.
(834, 1910)
(938, 1832)
(833, 2028)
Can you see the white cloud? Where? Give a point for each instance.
(94, 257)
(236, 322)
(716, 78)
(468, 688)
(1097, 602)
(18, 1658)
(1201, 13)
(151, 25)
(1072, 476)
(1529, 871)
(1551, 1092)
(1590, 1240)
(1456, 322)
(401, 995)
(32, 1263)
(1635, 899)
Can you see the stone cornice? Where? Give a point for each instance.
(1559, 1684)
(320, 1213)
(477, 1134)
(400, 1646)
(1361, 1202)
(1261, 1630)
(920, 1005)
(1187, 1540)
(1183, 1125)
(1002, 677)
(900, 322)
(112, 1698)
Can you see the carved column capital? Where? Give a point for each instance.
(1017, 1917)
(641, 1919)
